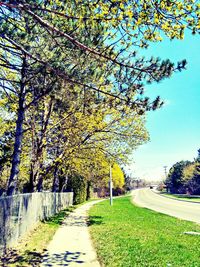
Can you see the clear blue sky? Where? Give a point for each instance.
(174, 129)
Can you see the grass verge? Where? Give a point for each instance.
(188, 198)
(130, 236)
(30, 250)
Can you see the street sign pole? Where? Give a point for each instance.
(111, 186)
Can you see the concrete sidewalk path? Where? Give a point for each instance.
(71, 244)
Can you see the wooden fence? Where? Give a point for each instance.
(21, 213)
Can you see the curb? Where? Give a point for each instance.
(183, 200)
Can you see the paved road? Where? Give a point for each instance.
(183, 210)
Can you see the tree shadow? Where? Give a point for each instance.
(28, 258)
(62, 259)
(13, 258)
(58, 219)
(73, 220)
(83, 221)
(36, 259)
(95, 220)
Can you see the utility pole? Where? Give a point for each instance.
(111, 186)
(165, 169)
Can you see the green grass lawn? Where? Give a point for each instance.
(127, 235)
(191, 199)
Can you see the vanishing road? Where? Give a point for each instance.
(180, 209)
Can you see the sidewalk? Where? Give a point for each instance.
(71, 245)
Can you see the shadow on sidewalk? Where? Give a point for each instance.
(82, 221)
(62, 259)
(75, 221)
(36, 259)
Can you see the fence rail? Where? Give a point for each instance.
(21, 213)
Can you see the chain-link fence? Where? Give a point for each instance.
(20, 213)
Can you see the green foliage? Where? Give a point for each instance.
(6, 144)
(184, 177)
(198, 156)
(78, 185)
(127, 235)
(118, 176)
(193, 183)
(175, 177)
(72, 78)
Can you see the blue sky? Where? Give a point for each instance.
(174, 129)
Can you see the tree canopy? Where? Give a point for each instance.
(184, 177)
(73, 84)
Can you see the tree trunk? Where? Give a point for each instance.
(36, 177)
(55, 185)
(40, 183)
(38, 143)
(88, 190)
(12, 183)
(36, 158)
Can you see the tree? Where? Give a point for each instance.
(198, 156)
(90, 132)
(17, 75)
(175, 179)
(192, 176)
(107, 34)
(184, 177)
(6, 140)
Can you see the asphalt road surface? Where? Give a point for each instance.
(180, 209)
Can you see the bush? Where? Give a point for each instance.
(78, 185)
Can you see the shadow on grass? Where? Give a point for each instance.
(13, 258)
(58, 218)
(36, 259)
(95, 220)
